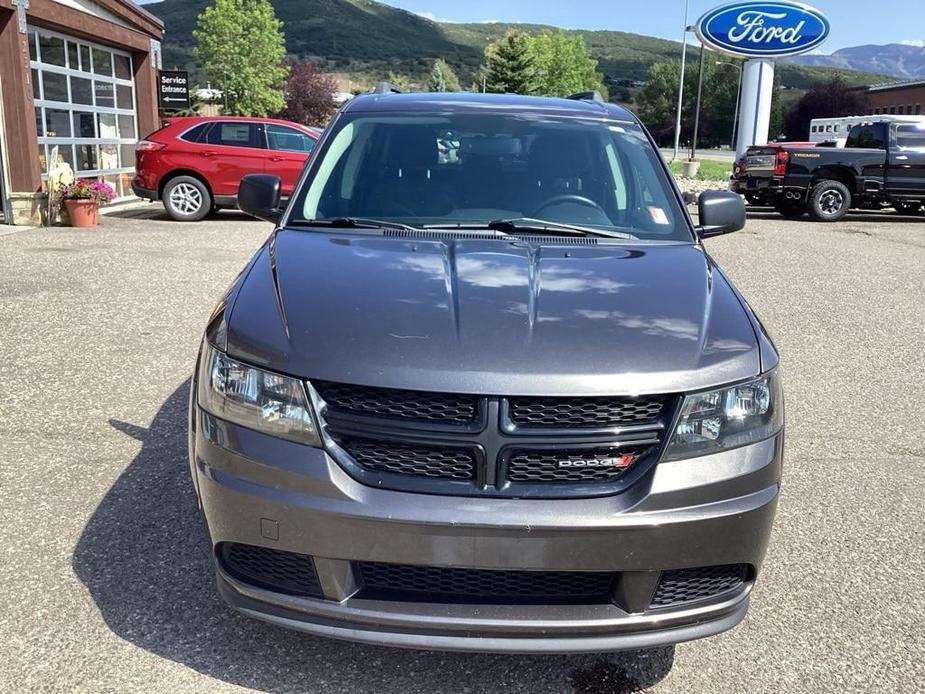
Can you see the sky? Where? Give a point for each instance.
(854, 22)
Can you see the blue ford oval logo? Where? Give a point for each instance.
(763, 29)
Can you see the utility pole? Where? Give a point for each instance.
(677, 126)
(703, 52)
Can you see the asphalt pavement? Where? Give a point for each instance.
(106, 583)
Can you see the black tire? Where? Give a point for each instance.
(790, 209)
(754, 199)
(186, 199)
(829, 201)
(904, 207)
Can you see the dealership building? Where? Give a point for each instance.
(899, 98)
(78, 82)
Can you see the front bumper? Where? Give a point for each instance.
(707, 511)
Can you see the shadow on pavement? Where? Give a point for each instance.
(885, 217)
(155, 212)
(144, 557)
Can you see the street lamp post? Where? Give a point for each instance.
(703, 52)
(735, 118)
(677, 126)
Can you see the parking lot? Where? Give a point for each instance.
(106, 579)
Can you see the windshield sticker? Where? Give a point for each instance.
(658, 215)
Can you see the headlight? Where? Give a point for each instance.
(727, 417)
(254, 398)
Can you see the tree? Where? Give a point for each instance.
(563, 65)
(829, 99)
(510, 66)
(442, 78)
(402, 82)
(241, 46)
(309, 94)
(657, 101)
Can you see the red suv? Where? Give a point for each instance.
(194, 164)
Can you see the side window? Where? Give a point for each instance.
(281, 137)
(195, 134)
(232, 134)
(867, 137)
(910, 137)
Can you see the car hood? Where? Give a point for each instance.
(491, 316)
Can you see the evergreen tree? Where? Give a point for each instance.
(510, 66)
(442, 78)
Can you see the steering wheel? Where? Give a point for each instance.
(560, 199)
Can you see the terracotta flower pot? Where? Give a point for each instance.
(83, 213)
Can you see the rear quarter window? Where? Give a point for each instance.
(195, 134)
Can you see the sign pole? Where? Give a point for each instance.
(677, 126)
(755, 100)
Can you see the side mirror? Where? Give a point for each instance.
(259, 196)
(721, 212)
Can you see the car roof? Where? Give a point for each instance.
(453, 102)
(192, 120)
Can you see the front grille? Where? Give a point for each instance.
(399, 404)
(439, 584)
(688, 585)
(410, 459)
(598, 464)
(492, 445)
(585, 412)
(272, 569)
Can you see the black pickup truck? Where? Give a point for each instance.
(881, 165)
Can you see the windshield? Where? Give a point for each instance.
(472, 169)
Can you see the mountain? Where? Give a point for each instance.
(368, 37)
(895, 59)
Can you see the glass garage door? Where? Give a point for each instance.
(84, 109)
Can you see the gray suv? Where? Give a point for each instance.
(484, 389)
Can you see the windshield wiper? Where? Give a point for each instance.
(353, 223)
(522, 224)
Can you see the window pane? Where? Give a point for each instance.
(52, 50)
(123, 67)
(127, 154)
(127, 127)
(87, 157)
(36, 89)
(72, 55)
(124, 96)
(85, 58)
(109, 156)
(41, 156)
(55, 86)
(57, 122)
(65, 154)
(105, 95)
(39, 121)
(102, 62)
(81, 91)
(289, 139)
(33, 54)
(233, 135)
(107, 125)
(911, 136)
(84, 123)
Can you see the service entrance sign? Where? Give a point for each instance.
(173, 90)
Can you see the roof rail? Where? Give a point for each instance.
(385, 88)
(587, 96)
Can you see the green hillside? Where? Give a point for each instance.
(364, 36)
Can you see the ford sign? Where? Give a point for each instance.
(763, 29)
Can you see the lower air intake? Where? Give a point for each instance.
(690, 585)
(271, 569)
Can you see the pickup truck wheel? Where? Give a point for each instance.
(829, 201)
(907, 207)
(791, 210)
(187, 199)
(754, 199)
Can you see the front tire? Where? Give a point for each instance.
(187, 199)
(829, 201)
